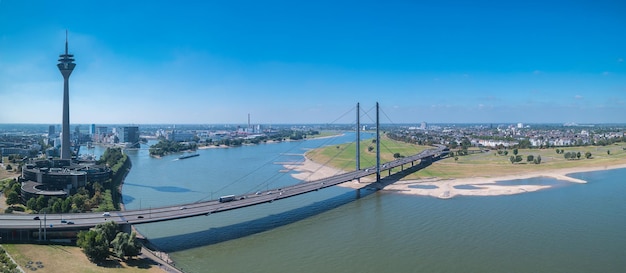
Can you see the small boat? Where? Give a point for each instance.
(188, 156)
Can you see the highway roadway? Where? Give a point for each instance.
(73, 221)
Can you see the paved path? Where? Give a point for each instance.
(162, 259)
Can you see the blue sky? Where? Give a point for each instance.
(311, 62)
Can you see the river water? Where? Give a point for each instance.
(571, 228)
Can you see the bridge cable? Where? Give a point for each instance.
(416, 150)
(268, 181)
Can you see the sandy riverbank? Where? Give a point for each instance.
(448, 188)
(310, 170)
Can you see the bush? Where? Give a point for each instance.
(17, 208)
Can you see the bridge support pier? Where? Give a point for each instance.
(127, 228)
(358, 193)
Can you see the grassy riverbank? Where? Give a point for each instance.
(57, 258)
(490, 164)
(343, 156)
(487, 164)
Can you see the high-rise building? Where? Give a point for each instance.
(51, 131)
(66, 66)
(130, 134)
(101, 134)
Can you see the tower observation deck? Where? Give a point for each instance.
(66, 66)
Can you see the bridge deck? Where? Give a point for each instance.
(88, 220)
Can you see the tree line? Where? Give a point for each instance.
(164, 146)
(105, 240)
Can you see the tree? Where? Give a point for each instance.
(397, 155)
(515, 151)
(119, 244)
(537, 160)
(518, 158)
(512, 159)
(453, 144)
(109, 229)
(578, 155)
(608, 152)
(16, 187)
(66, 205)
(587, 155)
(97, 242)
(12, 198)
(134, 245)
(78, 201)
(466, 143)
(530, 158)
(56, 207)
(40, 202)
(125, 245)
(94, 245)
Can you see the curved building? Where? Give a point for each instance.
(59, 177)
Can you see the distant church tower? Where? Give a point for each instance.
(66, 66)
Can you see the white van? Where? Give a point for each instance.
(106, 214)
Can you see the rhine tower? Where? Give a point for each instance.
(66, 66)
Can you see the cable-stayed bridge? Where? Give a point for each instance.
(22, 226)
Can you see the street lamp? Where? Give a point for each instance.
(44, 226)
(39, 233)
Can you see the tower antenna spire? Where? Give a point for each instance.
(66, 42)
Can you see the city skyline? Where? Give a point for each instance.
(283, 63)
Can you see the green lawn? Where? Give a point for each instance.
(55, 258)
(473, 165)
(343, 156)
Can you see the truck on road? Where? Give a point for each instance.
(227, 198)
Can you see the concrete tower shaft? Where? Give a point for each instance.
(66, 66)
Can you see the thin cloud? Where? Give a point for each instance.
(578, 97)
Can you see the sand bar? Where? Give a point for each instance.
(448, 188)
